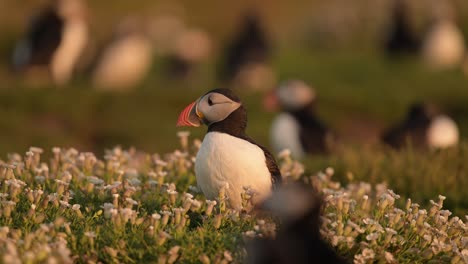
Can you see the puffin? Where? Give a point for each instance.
(444, 44)
(55, 39)
(248, 54)
(125, 61)
(192, 47)
(400, 39)
(297, 127)
(227, 155)
(298, 208)
(423, 128)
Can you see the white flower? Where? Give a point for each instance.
(90, 234)
(39, 179)
(250, 234)
(389, 257)
(372, 236)
(131, 201)
(368, 253)
(285, 153)
(36, 150)
(107, 206)
(64, 204)
(134, 182)
(156, 216)
(95, 180)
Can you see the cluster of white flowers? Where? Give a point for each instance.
(369, 224)
(133, 206)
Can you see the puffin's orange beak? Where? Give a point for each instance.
(270, 102)
(189, 117)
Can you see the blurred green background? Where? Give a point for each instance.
(361, 92)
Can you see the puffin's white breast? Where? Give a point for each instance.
(444, 46)
(74, 40)
(124, 63)
(443, 132)
(224, 158)
(284, 134)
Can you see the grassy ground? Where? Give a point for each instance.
(134, 207)
(359, 95)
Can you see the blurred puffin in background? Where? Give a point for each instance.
(298, 239)
(444, 44)
(246, 59)
(192, 46)
(55, 39)
(401, 39)
(423, 128)
(297, 127)
(126, 59)
(227, 155)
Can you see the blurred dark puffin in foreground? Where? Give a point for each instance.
(228, 158)
(297, 127)
(246, 58)
(126, 59)
(423, 128)
(400, 38)
(444, 44)
(298, 239)
(55, 40)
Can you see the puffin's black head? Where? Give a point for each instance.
(421, 112)
(211, 108)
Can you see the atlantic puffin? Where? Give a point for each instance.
(298, 240)
(297, 127)
(248, 54)
(423, 128)
(401, 40)
(56, 38)
(444, 44)
(191, 47)
(227, 154)
(126, 59)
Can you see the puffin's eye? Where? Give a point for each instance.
(210, 103)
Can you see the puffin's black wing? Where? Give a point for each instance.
(270, 162)
(41, 40)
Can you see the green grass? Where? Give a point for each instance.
(360, 94)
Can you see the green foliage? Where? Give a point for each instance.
(136, 207)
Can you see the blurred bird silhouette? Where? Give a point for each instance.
(55, 40)
(401, 39)
(298, 239)
(192, 47)
(297, 127)
(125, 61)
(247, 57)
(423, 128)
(444, 44)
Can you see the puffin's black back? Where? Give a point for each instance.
(251, 45)
(400, 38)
(44, 36)
(314, 135)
